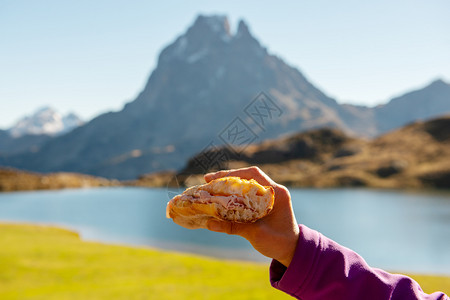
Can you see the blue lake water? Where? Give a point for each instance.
(397, 231)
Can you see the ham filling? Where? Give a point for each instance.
(229, 202)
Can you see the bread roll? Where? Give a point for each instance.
(228, 198)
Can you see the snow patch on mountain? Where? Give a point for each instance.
(47, 121)
(197, 56)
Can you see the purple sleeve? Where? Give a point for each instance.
(323, 269)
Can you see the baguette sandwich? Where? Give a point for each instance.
(228, 199)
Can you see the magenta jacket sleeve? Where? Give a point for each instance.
(323, 269)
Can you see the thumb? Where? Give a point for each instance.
(227, 227)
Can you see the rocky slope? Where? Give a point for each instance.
(26, 143)
(416, 156)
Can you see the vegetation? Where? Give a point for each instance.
(51, 263)
(39, 262)
(415, 156)
(17, 180)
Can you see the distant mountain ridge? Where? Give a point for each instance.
(428, 102)
(206, 83)
(32, 131)
(45, 120)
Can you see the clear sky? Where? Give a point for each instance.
(94, 56)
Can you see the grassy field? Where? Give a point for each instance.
(50, 263)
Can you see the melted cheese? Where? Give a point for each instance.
(227, 198)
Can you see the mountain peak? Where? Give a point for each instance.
(210, 26)
(45, 120)
(438, 83)
(44, 109)
(206, 37)
(242, 29)
(216, 23)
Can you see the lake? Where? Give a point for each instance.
(393, 230)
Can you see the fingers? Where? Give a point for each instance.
(251, 173)
(214, 175)
(245, 173)
(228, 227)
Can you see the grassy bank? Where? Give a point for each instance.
(12, 180)
(51, 263)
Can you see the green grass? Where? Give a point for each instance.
(39, 262)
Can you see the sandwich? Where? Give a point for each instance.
(228, 199)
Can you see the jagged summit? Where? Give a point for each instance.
(216, 23)
(243, 29)
(219, 25)
(208, 35)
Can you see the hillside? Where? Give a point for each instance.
(27, 143)
(16, 180)
(415, 156)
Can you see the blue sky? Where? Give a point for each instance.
(94, 56)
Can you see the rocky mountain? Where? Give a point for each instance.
(31, 132)
(46, 121)
(25, 143)
(428, 102)
(210, 87)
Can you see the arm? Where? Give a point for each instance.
(323, 269)
(306, 264)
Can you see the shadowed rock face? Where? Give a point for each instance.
(415, 156)
(439, 129)
(310, 145)
(203, 81)
(437, 179)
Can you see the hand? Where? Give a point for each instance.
(275, 235)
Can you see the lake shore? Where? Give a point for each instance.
(13, 180)
(416, 156)
(56, 264)
(17, 180)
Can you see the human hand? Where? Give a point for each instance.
(276, 234)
